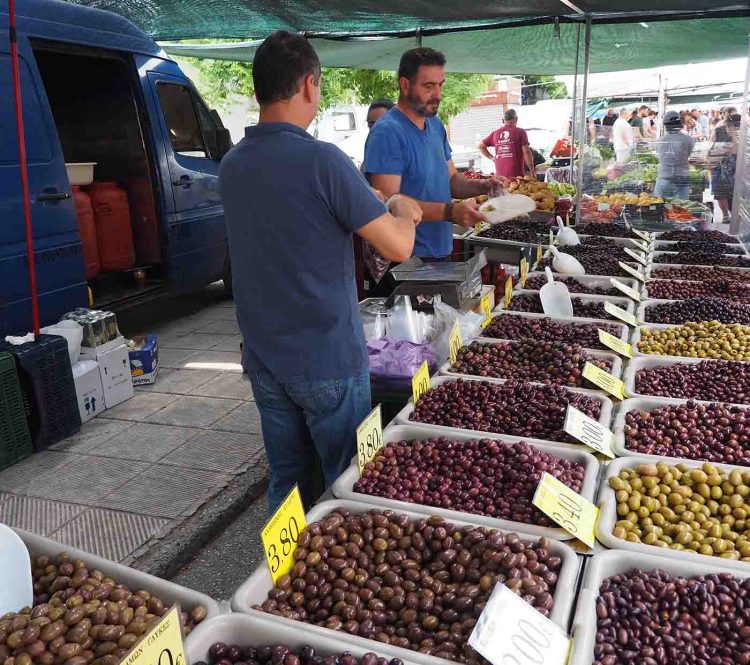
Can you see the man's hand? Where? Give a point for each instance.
(378, 194)
(495, 185)
(467, 214)
(400, 205)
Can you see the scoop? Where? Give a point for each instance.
(565, 263)
(555, 297)
(16, 591)
(566, 237)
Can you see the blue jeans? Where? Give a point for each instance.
(301, 418)
(672, 189)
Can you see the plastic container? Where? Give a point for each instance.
(657, 326)
(592, 281)
(343, 487)
(624, 303)
(80, 173)
(648, 362)
(649, 272)
(17, 589)
(633, 264)
(15, 440)
(87, 230)
(255, 589)
(169, 592)
(114, 232)
(671, 246)
(665, 256)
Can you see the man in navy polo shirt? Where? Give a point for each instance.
(291, 205)
(407, 151)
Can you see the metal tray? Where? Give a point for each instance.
(343, 488)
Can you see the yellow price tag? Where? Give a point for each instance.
(487, 310)
(508, 292)
(538, 253)
(604, 380)
(616, 344)
(640, 245)
(567, 219)
(162, 645)
(632, 271)
(454, 342)
(642, 234)
(631, 293)
(420, 384)
(478, 228)
(524, 270)
(636, 256)
(589, 431)
(551, 237)
(369, 437)
(578, 516)
(620, 313)
(280, 534)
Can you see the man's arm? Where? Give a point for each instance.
(483, 149)
(392, 234)
(528, 158)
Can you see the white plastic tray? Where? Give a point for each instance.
(658, 326)
(586, 280)
(608, 515)
(645, 292)
(255, 589)
(402, 417)
(617, 562)
(343, 488)
(655, 266)
(640, 314)
(625, 303)
(169, 592)
(655, 255)
(648, 362)
(671, 246)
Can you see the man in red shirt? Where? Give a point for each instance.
(512, 149)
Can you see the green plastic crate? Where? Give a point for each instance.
(15, 440)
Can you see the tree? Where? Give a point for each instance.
(542, 87)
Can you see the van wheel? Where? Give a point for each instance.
(227, 279)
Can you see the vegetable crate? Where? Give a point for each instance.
(15, 440)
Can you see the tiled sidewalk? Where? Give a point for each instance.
(140, 469)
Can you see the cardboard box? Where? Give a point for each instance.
(144, 363)
(114, 369)
(89, 390)
(92, 352)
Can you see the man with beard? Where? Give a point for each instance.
(407, 152)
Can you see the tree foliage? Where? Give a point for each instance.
(542, 87)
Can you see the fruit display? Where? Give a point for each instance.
(704, 339)
(699, 273)
(597, 264)
(528, 302)
(480, 477)
(621, 199)
(562, 188)
(513, 408)
(514, 326)
(699, 236)
(594, 213)
(416, 584)
(521, 230)
(702, 510)
(574, 286)
(539, 191)
(677, 213)
(707, 432)
(700, 308)
(528, 360)
(631, 619)
(711, 380)
(676, 290)
(702, 259)
(471, 174)
(280, 654)
(605, 230)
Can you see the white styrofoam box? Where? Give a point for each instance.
(80, 173)
(655, 266)
(625, 303)
(586, 280)
(665, 257)
(343, 487)
(656, 326)
(608, 514)
(640, 314)
(618, 562)
(402, 417)
(114, 369)
(89, 390)
(645, 292)
(254, 590)
(671, 246)
(92, 352)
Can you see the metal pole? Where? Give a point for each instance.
(575, 101)
(741, 198)
(584, 93)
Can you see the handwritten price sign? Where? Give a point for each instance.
(454, 342)
(420, 384)
(280, 534)
(369, 438)
(569, 509)
(162, 645)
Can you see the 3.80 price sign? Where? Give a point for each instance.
(369, 438)
(281, 532)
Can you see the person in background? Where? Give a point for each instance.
(622, 137)
(690, 126)
(722, 175)
(608, 122)
(701, 120)
(673, 150)
(377, 110)
(408, 152)
(638, 123)
(293, 270)
(511, 146)
(650, 124)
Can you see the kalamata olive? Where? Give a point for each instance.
(514, 326)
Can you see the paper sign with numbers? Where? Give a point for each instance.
(508, 292)
(589, 431)
(635, 255)
(642, 234)
(640, 245)
(632, 271)
(523, 269)
(620, 313)
(280, 534)
(454, 342)
(510, 631)
(369, 437)
(486, 310)
(420, 384)
(616, 344)
(624, 288)
(551, 237)
(161, 645)
(604, 380)
(538, 253)
(578, 516)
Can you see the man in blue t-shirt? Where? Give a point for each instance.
(291, 205)
(407, 151)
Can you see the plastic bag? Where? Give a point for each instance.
(445, 316)
(376, 263)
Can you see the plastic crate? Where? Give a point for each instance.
(15, 440)
(46, 378)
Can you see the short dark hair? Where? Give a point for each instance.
(734, 120)
(386, 104)
(415, 58)
(280, 63)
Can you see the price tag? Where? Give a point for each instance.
(487, 310)
(162, 645)
(589, 431)
(642, 234)
(551, 238)
(616, 344)
(640, 245)
(604, 380)
(538, 253)
(281, 532)
(369, 437)
(509, 631)
(632, 271)
(567, 219)
(420, 384)
(570, 510)
(636, 256)
(508, 292)
(631, 293)
(454, 342)
(602, 207)
(478, 228)
(620, 313)
(523, 268)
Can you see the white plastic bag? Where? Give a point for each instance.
(445, 316)
(72, 332)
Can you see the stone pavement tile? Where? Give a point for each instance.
(173, 357)
(92, 433)
(145, 442)
(232, 385)
(178, 381)
(140, 407)
(166, 491)
(193, 340)
(225, 313)
(225, 361)
(231, 343)
(244, 418)
(108, 533)
(86, 479)
(25, 475)
(192, 411)
(228, 326)
(37, 515)
(217, 451)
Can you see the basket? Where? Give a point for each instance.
(46, 380)
(15, 440)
